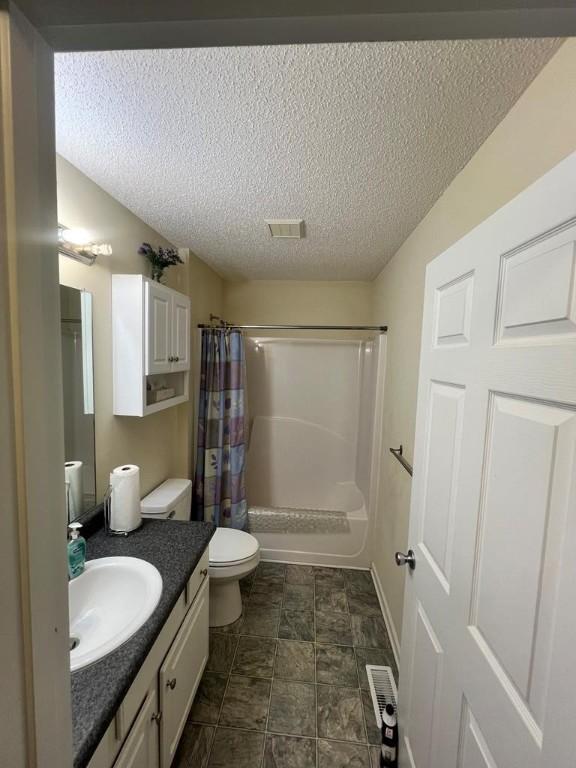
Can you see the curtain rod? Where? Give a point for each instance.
(379, 328)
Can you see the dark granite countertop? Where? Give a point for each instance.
(174, 547)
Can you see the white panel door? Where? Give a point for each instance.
(142, 747)
(180, 332)
(488, 664)
(180, 675)
(158, 328)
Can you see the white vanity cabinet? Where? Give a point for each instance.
(180, 675)
(142, 749)
(150, 720)
(150, 345)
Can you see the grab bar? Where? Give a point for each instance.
(397, 452)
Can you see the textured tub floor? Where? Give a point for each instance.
(285, 686)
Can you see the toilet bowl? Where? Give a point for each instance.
(232, 556)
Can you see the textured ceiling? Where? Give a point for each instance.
(358, 139)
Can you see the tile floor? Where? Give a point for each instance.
(285, 686)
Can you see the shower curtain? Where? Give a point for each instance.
(219, 485)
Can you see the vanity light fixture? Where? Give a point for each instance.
(76, 244)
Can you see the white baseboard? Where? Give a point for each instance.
(387, 615)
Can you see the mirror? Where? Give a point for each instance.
(78, 383)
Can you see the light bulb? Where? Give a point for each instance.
(76, 236)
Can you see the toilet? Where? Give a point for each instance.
(232, 554)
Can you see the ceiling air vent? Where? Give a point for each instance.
(286, 227)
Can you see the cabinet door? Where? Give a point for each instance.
(180, 332)
(158, 338)
(142, 747)
(180, 675)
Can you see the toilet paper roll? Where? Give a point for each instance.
(74, 488)
(125, 512)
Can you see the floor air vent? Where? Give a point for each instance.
(382, 689)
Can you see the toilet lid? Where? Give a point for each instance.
(229, 546)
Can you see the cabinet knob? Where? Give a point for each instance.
(170, 359)
(176, 359)
(156, 717)
(171, 684)
(204, 572)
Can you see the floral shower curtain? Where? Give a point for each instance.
(219, 487)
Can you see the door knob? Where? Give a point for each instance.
(408, 559)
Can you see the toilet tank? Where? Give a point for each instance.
(170, 500)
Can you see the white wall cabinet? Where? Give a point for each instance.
(150, 345)
(150, 720)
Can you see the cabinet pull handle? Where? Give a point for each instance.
(156, 717)
(171, 684)
(176, 359)
(170, 359)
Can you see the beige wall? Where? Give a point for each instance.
(298, 302)
(159, 443)
(537, 133)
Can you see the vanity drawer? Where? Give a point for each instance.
(197, 579)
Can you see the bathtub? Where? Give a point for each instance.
(304, 503)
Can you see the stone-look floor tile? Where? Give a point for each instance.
(364, 604)
(238, 748)
(231, 629)
(292, 708)
(297, 625)
(372, 731)
(298, 597)
(194, 748)
(267, 593)
(300, 574)
(208, 699)
(330, 576)
(359, 581)
(295, 661)
(261, 620)
(289, 752)
(333, 628)
(222, 649)
(270, 569)
(254, 657)
(331, 599)
(340, 754)
(246, 703)
(246, 583)
(336, 665)
(340, 714)
(369, 632)
(376, 656)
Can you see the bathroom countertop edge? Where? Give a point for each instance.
(175, 548)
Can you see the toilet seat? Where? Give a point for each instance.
(229, 547)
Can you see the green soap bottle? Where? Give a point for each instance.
(76, 551)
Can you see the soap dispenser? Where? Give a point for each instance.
(76, 551)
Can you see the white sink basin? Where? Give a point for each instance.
(108, 603)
